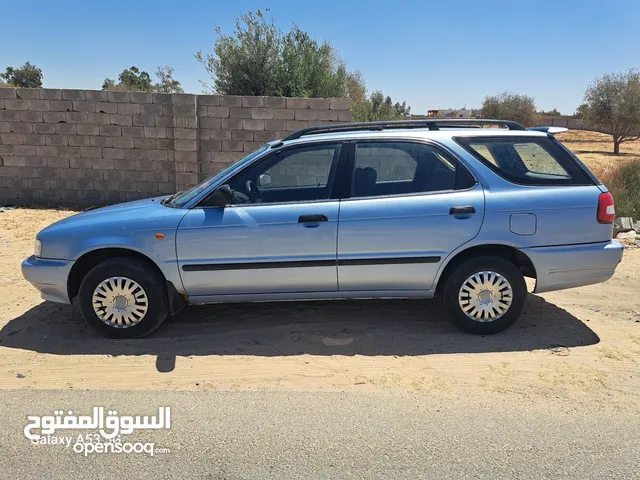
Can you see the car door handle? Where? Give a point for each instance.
(462, 210)
(318, 217)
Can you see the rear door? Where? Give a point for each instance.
(408, 205)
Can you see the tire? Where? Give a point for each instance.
(121, 277)
(492, 311)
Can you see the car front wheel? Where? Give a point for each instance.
(123, 298)
(485, 295)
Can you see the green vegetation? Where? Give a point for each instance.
(135, 80)
(26, 76)
(624, 184)
(510, 106)
(613, 102)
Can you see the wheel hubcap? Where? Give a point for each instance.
(120, 302)
(485, 296)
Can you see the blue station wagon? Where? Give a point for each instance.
(463, 210)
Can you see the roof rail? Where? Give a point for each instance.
(434, 124)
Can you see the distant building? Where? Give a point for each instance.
(449, 113)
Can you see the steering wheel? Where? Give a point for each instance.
(253, 191)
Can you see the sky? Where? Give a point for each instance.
(433, 54)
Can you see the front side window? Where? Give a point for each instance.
(396, 168)
(526, 160)
(291, 175)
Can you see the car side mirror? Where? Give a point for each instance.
(264, 179)
(220, 197)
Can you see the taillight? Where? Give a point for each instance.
(606, 210)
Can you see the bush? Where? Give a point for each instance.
(623, 181)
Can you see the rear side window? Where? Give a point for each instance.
(526, 160)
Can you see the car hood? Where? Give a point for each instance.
(130, 217)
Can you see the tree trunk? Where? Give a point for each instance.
(616, 146)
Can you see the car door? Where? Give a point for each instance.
(279, 235)
(409, 205)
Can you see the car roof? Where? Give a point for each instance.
(414, 133)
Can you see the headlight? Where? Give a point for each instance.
(37, 249)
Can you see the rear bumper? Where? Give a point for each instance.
(571, 266)
(49, 276)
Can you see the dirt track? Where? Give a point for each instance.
(581, 345)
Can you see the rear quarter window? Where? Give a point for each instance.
(526, 160)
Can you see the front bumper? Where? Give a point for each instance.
(49, 276)
(569, 266)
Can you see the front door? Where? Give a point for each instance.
(410, 205)
(279, 235)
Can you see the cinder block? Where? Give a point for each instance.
(186, 122)
(210, 123)
(93, 195)
(88, 129)
(141, 97)
(145, 143)
(99, 141)
(144, 165)
(275, 102)
(102, 163)
(151, 109)
(118, 97)
(99, 118)
(79, 141)
(328, 115)
(113, 153)
(60, 105)
(156, 176)
(51, 195)
(211, 100)
(297, 103)
(134, 175)
(82, 163)
(12, 138)
(28, 93)
(56, 140)
(251, 146)
(250, 124)
(35, 138)
(155, 132)
(73, 152)
(114, 175)
(144, 120)
(111, 130)
(284, 114)
(306, 114)
(231, 146)
(66, 128)
(8, 93)
(4, 127)
(344, 116)
(210, 145)
(53, 117)
(135, 154)
(24, 150)
(230, 101)
(122, 120)
(183, 110)
(277, 125)
(183, 99)
(71, 196)
(158, 155)
(163, 121)
(319, 103)
(106, 107)
(219, 112)
(41, 183)
(50, 94)
(92, 152)
(74, 95)
(8, 194)
(80, 106)
(186, 157)
(20, 127)
(13, 161)
(264, 135)
(58, 162)
(45, 151)
(242, 135)
(186, 145)
(17, 104)
(97, 96)
(252, 102)
(33, 117)
(122, 142)
(184, 133)
(137, 132)
(240, 112)
(128, 109)
(47, 172)
(76, 117)
(162, 98)
(340, 104)
(164, 144)
(186, 178)
(293, 125)
(36, 161)
(9, 115)
(262, 113)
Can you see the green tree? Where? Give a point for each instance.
(26, 76)
(260, 59)
(613, 102)
(510, 106)
(130, 80)
(166, 83)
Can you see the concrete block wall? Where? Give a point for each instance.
(84, 147)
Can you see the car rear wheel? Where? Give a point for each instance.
(123, 298)
(484, 295)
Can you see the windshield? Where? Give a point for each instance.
(182, 198)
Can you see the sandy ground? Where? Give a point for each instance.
(577, 347)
